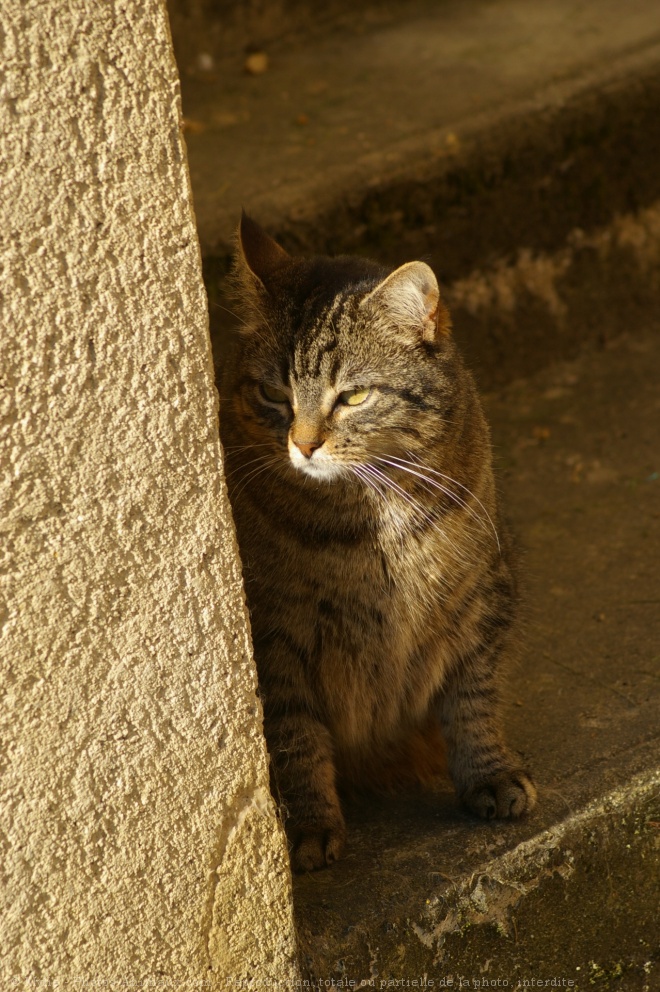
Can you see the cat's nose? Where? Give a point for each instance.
(308, 447)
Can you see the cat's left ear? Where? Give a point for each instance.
(258, 256)
(411, 298)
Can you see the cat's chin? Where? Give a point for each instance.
(320, 471)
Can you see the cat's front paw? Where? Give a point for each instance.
(506, 795)
(318, 847)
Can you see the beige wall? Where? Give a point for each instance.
(139, 839)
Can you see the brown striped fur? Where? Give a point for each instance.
(379, 577)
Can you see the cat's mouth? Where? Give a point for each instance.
(318, 464)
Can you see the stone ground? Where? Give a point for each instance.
(516, 147)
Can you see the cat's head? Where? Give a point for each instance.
(340, 362)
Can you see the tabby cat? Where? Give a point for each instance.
(378, 575)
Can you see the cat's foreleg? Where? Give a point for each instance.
(489, 778)
(304, 772)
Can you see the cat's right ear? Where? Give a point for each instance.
(411, 298)
(258, 258)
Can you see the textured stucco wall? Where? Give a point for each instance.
(139, 840)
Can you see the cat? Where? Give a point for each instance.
(379, 577)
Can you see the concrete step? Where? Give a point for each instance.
(515, 146)
(410, 129)
(502, 141)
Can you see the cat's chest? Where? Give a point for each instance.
(361, 613)
(353, 596)
(370, 617)
(364, 585)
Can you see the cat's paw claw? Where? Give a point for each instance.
(318, 848)
(506, 795)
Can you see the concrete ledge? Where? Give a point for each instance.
(574, 902)
(533, 307)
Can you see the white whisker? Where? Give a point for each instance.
(404, 466)
(458, 551)
(363, 476)
(391, 484)
(244, 447)
(244, 465)
(268, 462)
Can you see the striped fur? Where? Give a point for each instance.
(379, 577)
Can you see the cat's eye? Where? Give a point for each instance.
(353, 397)
(272, 394)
